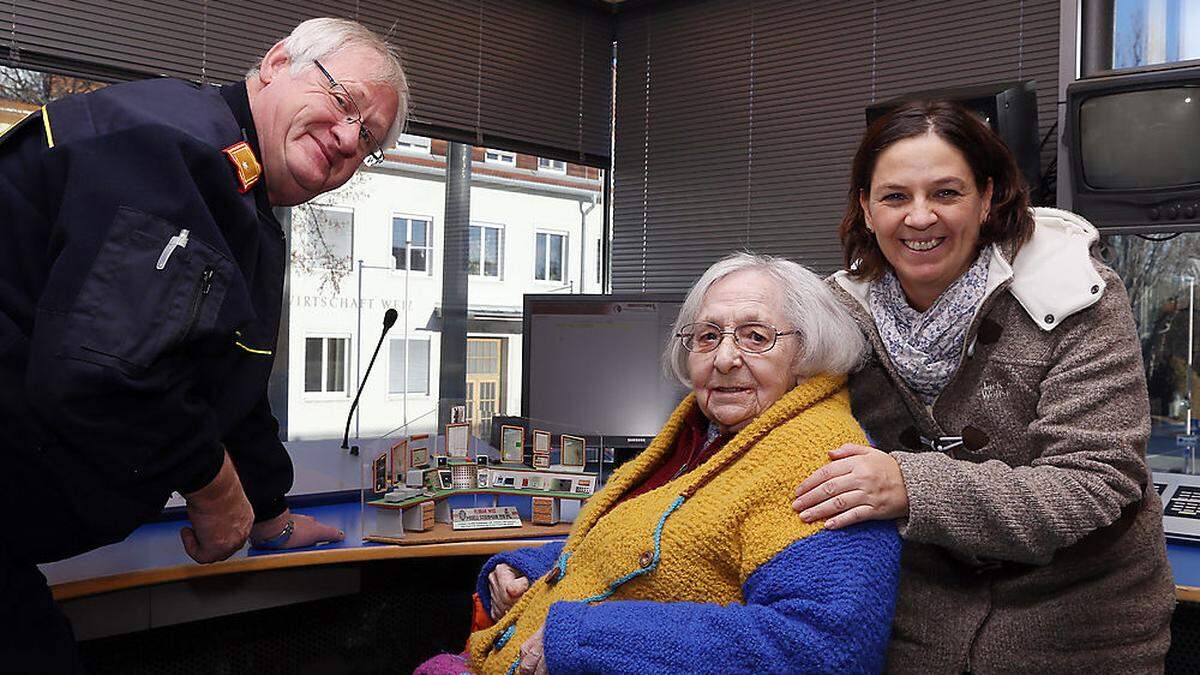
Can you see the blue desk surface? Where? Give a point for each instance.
(1185, 563)
(157, 545)
(154, 554)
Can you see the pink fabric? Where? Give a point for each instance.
(445, 664)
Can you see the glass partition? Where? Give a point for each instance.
(1161, 274)
(376, 244)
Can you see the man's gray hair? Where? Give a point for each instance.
(830, 340)
(321, 38)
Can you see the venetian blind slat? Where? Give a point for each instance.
(529, 75)
(686, 196)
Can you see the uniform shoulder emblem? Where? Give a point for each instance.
(245, 164)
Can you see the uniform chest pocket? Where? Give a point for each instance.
(152, 287)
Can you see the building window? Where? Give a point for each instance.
(415, 144)
(326, 361)
(412, 244)
(1147, 32)
(551, 165)
(408, 367)
(500, 157)
(551, 261)
(486, 244)
(331, 236)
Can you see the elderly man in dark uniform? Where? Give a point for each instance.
(141, 273)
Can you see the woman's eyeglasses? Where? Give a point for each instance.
(752, 338)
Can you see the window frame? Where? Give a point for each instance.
(551, 168)
(503, 157)
(430, 248)
(412, 148)
(499, 227)
(324, 395)
(401, 395)
(1100, 28)
(1169, 60)
(566, 252)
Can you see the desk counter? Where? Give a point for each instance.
(153, 554)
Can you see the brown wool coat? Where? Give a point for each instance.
(1037, 546)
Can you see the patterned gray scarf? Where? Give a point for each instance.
(925, 347)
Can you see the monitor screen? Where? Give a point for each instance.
(593, 364)
(1141, 139)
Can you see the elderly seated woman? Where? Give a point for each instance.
(690, 559)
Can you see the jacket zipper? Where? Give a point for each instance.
(198, 297)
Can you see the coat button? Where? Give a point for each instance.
(1049, 318)
(1095, 289)
(974, 439)
(646, 559)
(989, 331)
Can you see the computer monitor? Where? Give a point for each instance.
(1009, 108)
(591, 363)
(1134, 146)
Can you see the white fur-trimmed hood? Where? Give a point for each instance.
(1052, 275)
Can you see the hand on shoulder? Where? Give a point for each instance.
(860, 483)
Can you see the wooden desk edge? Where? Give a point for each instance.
(1187, 593)
(150, 577)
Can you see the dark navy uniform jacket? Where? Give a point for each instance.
(128, 359)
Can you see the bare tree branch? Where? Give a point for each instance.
(37, 88)
(318, 234)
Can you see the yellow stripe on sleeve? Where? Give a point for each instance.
(46, 124)
(261, 352)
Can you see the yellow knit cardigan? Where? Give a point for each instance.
(700, 536)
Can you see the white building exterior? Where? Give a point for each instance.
(525, 215)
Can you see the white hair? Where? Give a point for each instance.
(830, 340)
(321, 38)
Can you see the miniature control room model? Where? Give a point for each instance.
(410, 484)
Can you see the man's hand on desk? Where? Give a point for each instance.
(221, 517)
(305, 531)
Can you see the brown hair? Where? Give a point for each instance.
(1009, 219)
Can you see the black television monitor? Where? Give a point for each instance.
(1134, 146)
(591, 363)
(1009, 108)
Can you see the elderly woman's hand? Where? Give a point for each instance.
(860, 483)
(533, 655)
(506, 585)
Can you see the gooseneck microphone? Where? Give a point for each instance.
(389, 320)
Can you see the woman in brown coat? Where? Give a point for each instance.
(1008, 413)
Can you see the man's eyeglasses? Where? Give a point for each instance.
(752, 338)
(352, 114)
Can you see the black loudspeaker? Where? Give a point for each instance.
(1009, 108)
